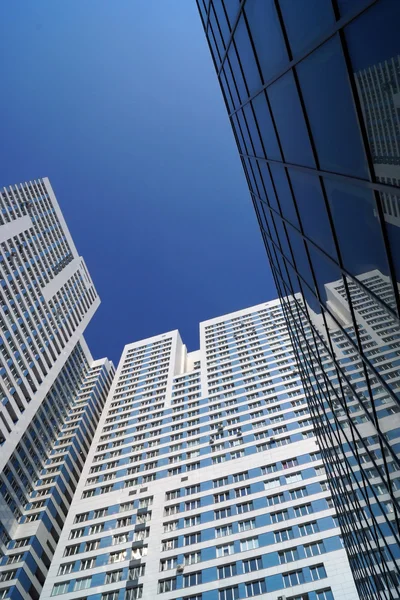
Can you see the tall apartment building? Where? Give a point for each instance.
(311, 89)
(52, 391)
(204, 480)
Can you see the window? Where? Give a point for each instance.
(225, 530)
(324, 594)
(71, 550)
(66, 568)
(134, 593)
(81, 517)
(314, 549)
(168, 563)
(269, 469)
(293, 578)
(227, 571)
(96, 528)
(308, 528)
(191, 521)
(117, 556)
(249, 544)
(60, 588)
(254, 588)
(243, 491)
(192, 538)
(7, 575)
(135, 572)
(284, 535)
(222, 513)
(222, 497)
(280, 516)
(272, 483)
(192, 579)
(172, 495)
(87, 563)
(93, 545)
(193, 489)
(287, 556)
(220, 482)
(82, 584)
(246, 525)
(299, 493)
(167, 585)
(169, 544)
(192, 504)
(110, 595)
(252, 564)
(275, 499)
(231, 593)
(317, 572)
(304, 509)
(245, 507)
(225, 550)
(193, 558)
(240, 477)
(287, 464)
(171, 526)
(293, 478)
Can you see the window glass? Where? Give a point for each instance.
(217, 34)
(280, 179)
(231, 84)
(267, 36)
(311, 206)
(327, 96)
(247, 58)
(251, 124)
(289, 121)
(222, 20)
(237, 73)
(373, 44)
(361, 247)
(305, 21)
(267, 131)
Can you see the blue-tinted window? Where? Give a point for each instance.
(237, 73)
(267, 36)
(285, 198)
(327, 96)
(311, 206)
(305, 21)
(247, 58)
(289, 121)
(231, 7)
(374, 48)
(251, 124)
(222, 20)
(361, 247)
(267, 131)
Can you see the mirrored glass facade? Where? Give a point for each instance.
(312, 88)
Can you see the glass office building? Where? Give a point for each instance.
(312, 88)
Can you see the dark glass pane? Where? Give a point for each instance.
(267, 36)
(222, 21)
(305, 21)
(327, 96)
(284, 193)
(245, 133)
(251, 124)
(266, 127)
(231, 7)
(217, 35)
(231, 84)
(247, 58)
(227, 91)
(391, 214)
(237, 73)
(269, 188)
(374, 48)
(311, 206)
(348, 7)
(289, 121)
(361, 247)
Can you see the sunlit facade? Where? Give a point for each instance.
(204, 480)
(52, 391)
(312, 92)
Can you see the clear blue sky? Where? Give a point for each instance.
(117, 102)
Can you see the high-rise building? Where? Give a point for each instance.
(204, 480)
(312, 92)
(52, 391)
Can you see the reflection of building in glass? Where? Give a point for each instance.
(312, 93)
(359, 427)
(378, 89)
(51, 389)
(204, 480)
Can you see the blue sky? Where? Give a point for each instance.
(119, 105)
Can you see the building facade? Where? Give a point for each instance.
(52, 389)
(204, 480)
(311, 89)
